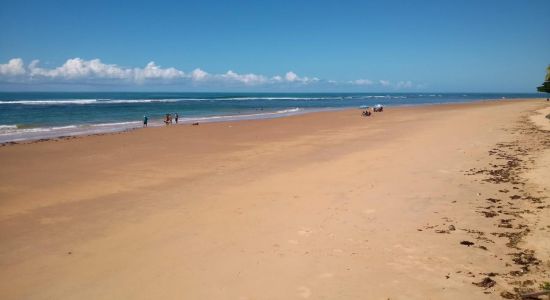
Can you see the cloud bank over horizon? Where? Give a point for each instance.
(95, 72)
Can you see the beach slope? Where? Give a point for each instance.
(428, 202)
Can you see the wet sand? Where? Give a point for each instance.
(433, 202)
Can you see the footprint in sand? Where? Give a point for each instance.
(304, 292)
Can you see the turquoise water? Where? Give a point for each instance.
(26, 116)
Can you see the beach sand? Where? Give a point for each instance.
(327, 205)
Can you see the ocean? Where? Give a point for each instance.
(33, 115)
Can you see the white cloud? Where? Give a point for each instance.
(362, 82)
(247, 79)
(152, 71)
(251, 79)
(384, 82)
(404, 84)
(277, 78)
(293, 77)
(14, 67)
(198, 75)
(78, 70)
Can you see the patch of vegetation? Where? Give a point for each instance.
(545, 286)
(545, 87)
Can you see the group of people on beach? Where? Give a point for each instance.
(168, 119)
(173, 119)
(368, 111)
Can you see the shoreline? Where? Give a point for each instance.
(415, 202)
(222, 119)
(183, 121)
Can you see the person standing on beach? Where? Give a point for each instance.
(176, 117)
(145, 120)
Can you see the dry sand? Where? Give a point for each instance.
(319, 206)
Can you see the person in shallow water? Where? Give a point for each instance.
(145, 120)
(168, 119)
(176, 117)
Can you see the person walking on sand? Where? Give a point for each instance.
(145, 120)
(176, 117)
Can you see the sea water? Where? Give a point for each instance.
(28, 116)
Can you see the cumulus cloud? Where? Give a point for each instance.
(277, 78)
(198, 75)
(152, 71)
(78, 70)
(14, 67)
(293, 77)
(362, 82)
(384, 82)
(404, 84)
(247, 79)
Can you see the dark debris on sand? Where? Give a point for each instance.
(525, 258)
(511, 159)
(486, 283)
(467, 243)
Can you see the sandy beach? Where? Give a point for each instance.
(428, 202)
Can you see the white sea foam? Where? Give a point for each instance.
(36, 129)
(5, 127)
(14, 134)
(117, 124)
(49, 102)
(288, 110)
(220, 118)
(139, 101)
(277, 98)
(87, 101)
(64, 127)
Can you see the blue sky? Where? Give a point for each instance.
(209, 45)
